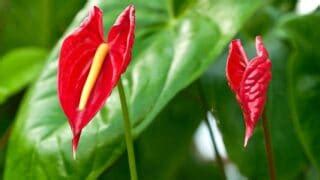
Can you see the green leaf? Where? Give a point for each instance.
(34, 22)
(170, 52)
(289, 156)
(304, 85)
(194, 168)
(163, 148)
(262, 23)
(18, 68)
(285, 5)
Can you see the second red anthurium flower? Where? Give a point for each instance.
(249, 80)
(90, 66)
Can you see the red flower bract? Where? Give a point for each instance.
(76, 58)
(249, 80)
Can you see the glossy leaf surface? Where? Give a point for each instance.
(161, 140)
(304, 82)
(170, 52)
(19, 68)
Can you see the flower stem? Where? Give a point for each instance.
(206, 109)
(267, 140)
(128, 135)
(170, 8)
(218, 156)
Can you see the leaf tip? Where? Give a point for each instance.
(248, 135)
(74, 154)
(245, 142)
(75, 142)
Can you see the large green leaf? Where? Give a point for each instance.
(194, 168)
(285, 5)
(304, 85)
(18, 68)
(7, 114)
(171, 50)
(289, 156)
(163, 147)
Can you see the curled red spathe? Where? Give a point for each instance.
(249, 80)
(76, 55)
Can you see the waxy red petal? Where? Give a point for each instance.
(236, 64)
(250, 88)
(76, 56)
(121, 39)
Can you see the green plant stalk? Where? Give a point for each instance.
(218, 156)
(170, 8)
(206, 109)
(267, 142)
(128, 134)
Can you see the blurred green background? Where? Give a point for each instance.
(179, 45)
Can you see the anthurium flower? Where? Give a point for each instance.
(249, 80)
(91, 65)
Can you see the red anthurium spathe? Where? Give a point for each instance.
(249, 80)
(90, 66)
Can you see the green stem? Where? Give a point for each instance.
(128, 135)
(206, 109)
(218, 156)
(267, 140)
(170, 9)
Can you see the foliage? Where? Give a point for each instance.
(18, 68)
(176, 43)
(292, 134)
(36, 23)
(304, 80)
(171, 51)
